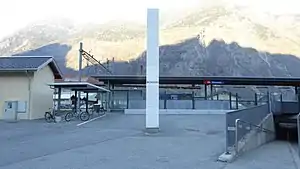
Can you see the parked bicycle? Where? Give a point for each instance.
(99, 110)
(49, 115)
(82, 115)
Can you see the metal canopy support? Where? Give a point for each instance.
(193, 97)
(236, 101)
(127, 99)
(298, 94)
(113, 97)
(255, 99)
(75, 105)
(87, 102)
(230, 101)
(58, 101)
(108, 98)
(107, 101)
(211, 92)
(205, 92)
(165, 100)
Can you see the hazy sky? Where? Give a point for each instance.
(16, 14)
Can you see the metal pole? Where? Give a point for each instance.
(211, 92)
(80, 61)
(230, 101)
(87, 102)
(269, 102)
(113, 96)
(255, 99)
(298, 101)
(58, 101)
(236, 136)
(205, 91)
(193, 100)
(79, 74)
(127, 99)
(227, 135)
(165, 100)
(236, 101)
(298, 129)
(108, 97)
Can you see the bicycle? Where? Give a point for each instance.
(83, 116)
(101, 111)
(49, 117)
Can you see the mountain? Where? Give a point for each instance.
(219, 58)
(37, 35)
(214, 40)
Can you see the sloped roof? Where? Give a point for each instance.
(29, 63)
(83, 79)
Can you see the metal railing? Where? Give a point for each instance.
(249, 128)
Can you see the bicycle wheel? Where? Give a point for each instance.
(84, 116)
(48, 117)
(68, 117)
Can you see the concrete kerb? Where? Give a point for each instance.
(227, 157)
(178, 112)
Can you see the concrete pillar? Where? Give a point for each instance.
(152, 71)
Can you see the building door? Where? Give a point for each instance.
(10, 108)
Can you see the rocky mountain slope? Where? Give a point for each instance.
(232, 42)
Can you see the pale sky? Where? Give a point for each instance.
(16, 14)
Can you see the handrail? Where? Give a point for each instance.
(251, 124)
(258, 126)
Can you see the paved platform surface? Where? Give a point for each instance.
(118, 141)
(277, 154)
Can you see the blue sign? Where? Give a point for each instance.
(216, 82)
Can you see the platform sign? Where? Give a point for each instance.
(217, 82)
(209, 82)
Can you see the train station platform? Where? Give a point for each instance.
(277, 154)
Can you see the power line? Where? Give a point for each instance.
(90, 58)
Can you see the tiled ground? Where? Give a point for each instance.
(118, 141)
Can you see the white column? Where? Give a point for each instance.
(152, 68)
